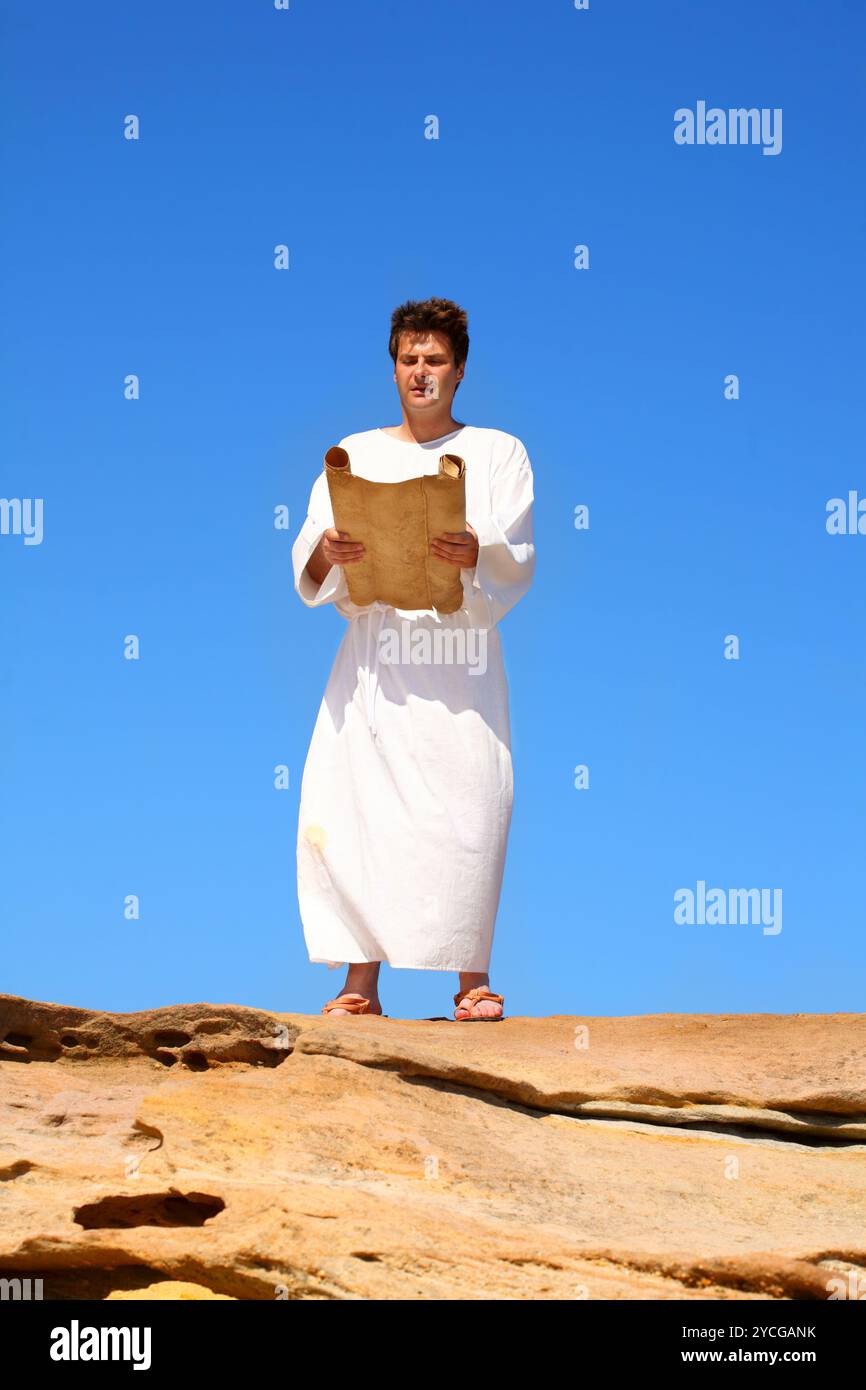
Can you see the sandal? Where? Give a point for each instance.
(352, 1003)
(480, 992)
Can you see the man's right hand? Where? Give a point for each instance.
(334, 548)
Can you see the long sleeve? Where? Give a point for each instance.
(320, 516)
(506, 552)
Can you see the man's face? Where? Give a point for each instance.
(425, 372)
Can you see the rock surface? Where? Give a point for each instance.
(204, 1151)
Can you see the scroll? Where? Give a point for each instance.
(396, 522)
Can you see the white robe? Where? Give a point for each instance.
(407, 789)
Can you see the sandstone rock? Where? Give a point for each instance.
(212, 1150)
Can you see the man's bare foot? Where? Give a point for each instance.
(476, 1008)
(362, 982)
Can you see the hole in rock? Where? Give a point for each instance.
(149, 1209)
(18, 1039)
(82, 1282)
(14, 1170)
(196, 1061)
(170, 1037)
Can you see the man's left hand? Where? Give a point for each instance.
(458, 547)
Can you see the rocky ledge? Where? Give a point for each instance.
(216, 1151)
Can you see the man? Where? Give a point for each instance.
(407, 790)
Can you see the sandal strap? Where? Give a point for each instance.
(353, 1004)
(479, 992)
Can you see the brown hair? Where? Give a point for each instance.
(419, 317)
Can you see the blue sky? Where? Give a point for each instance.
(707, 515)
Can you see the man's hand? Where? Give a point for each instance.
(459, 547)
(334, 548)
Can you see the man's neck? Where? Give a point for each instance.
(422, 431)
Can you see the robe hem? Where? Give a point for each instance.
(408, 965)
